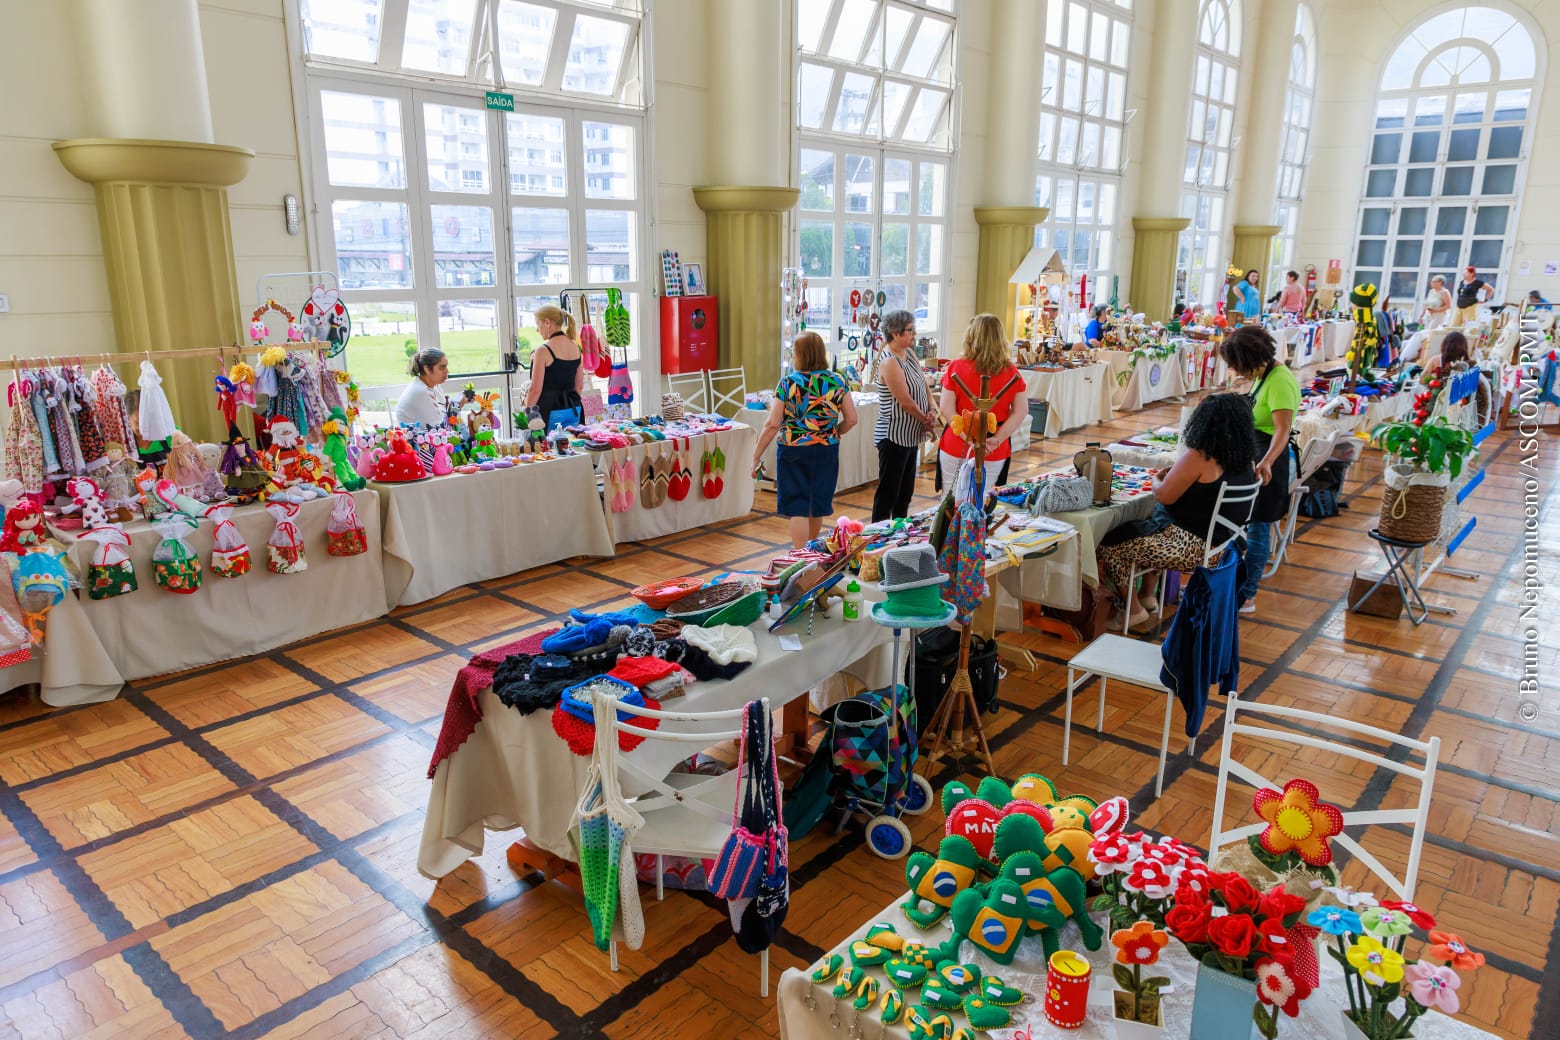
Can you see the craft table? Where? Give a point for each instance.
(96, 645)
(1152, 379)
(446, 532)
(1064, 590)
(514, 771)
(1078, 396)
(638, 524)
(1320, 1015)
(858, 450)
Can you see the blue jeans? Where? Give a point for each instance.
(1259, 542)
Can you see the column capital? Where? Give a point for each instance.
(746, 199)
(97, 160)
(1257, 230)
(1161, 223)
(1011, 214)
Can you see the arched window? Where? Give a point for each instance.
(1083, 121)
(1448, 151)
(875, 103)
(1209, 139)
(1295, 142)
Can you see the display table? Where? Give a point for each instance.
(639, 524)
(72, 668)
(1205, 370)
(1152, 379)
(514, 771)
(1320, 1014)
(153, 631)
(858, 451)
(450, 531)
(1077, 396)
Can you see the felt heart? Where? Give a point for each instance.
(959, 977)
(324, 300)
(864, 954)
(1039, 812)
(937, 994)
(1032, 787)
(994, 991)
(828, 969)
(884, 935)
(977, 821)
(984, 1015)
(1110, 817)
(904, 974)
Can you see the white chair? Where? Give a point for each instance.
(1299, 732)
(1312, 457)
(728, 392)
(685, 814)
(694, 387)
(1214, 544)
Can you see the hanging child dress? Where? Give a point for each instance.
(155, 413)
(23, 446)
(40, 413)
(93, 452)
(109, 407)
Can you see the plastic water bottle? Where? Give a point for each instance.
(851, 606)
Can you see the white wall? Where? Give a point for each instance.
(679, 119)
(1355, 38)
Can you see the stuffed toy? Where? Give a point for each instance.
(935, 881)
(243, 473)
(399, 463)
(23, 531)
(1367, 334)
(1051, 897)
(336, 431)
(993, 917)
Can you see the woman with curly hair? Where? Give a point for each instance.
(1220, 449)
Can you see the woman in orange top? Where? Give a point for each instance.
(986, 353)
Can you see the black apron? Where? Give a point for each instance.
(1272, 502)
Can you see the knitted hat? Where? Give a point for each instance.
(918, 604)
(1364, 295)
(908, 567)
(724, 643)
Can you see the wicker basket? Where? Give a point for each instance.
(742, 611)
(698, 607)
(1412, 503)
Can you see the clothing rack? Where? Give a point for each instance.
(135, 357)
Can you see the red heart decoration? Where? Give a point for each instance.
(1039, 812)
(977, 821)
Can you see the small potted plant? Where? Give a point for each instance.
(1423, 459)
(1138, 1013)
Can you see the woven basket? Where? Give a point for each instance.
(1412, 503)
(742, 611)
(698, 607)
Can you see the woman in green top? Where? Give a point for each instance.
(1275, 398)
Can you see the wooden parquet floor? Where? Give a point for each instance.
(230, 852)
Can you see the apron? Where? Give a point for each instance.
(1273, 500)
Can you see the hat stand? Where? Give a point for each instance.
(958, 708)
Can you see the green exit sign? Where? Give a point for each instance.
(501, 102)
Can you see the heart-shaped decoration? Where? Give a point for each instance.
(976, 821)
(905, 975)
(324, 300)
(1110, 817)
(864, 954)
(1032, 787)
(1039, 812)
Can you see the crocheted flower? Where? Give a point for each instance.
(1376, 964)
(1139, 944)
(1280, 987)
(1298, 821)
(1336, 921)
(1382, 923)
(1420, 918)
(1433, 986)
(1151, 878)
(1444, 946)
(1112, 854)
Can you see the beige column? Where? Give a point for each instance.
(161, 189)
(1158, 224)
(1253, 250)
(1258, 185)
(745, 207)
(1007, 221)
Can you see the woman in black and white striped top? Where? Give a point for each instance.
(904, 417)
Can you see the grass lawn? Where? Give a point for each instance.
(382, 360)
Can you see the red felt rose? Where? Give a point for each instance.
(1277, 904)
(1273, 938)
(1232, 935)
(1188, 894)
(1237, 891)
(1189, 923)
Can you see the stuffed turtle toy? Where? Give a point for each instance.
(935, 881)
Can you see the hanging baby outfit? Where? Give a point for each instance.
(109, 407)
(88, 435)
(57, 396)
(40, 413)
(156, 414)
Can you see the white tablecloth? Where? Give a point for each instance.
(72, 668)
(153, 631)
(858, 451)
(514, 771)
(451, 531)
(1078, 396)
(1152, 379)
(1320, 1017)
(736, 498)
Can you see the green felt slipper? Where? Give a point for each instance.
(929, 1024)
(893, 1006)
(984, 1016)
(884, 935)
(866, 993)
(829, 968)
(850, 978)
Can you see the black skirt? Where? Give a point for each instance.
(1273, 500)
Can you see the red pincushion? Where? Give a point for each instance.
(399, 468)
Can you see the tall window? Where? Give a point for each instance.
(874, 103)
(1083, 120)
(1203, 249)
(1448, 155)
(449, 222)
(1296, 141)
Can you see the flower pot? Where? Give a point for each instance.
(1412, 502)
(1222, 1006)
(1354, 1032)
(1129, 1028)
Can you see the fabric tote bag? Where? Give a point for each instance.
(602, 828)
(757, 835)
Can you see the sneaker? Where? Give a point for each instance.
(1149, 603)
(1249, 607)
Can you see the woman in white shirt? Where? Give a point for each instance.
(1438, 304)
(421, 401)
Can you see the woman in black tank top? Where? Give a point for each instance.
(556, 373)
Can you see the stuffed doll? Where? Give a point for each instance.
(242, 376)
(184, 466)
(174, 563)
(110, 571)
(243, 473)
(119, 483)
(229, 551)
(211, 489)
(265, 379)
(284, 549)
(1366, 343)
(336, 431)
(23, 531)
(286, 450)
(344, 530)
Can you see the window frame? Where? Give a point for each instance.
(1205, 190)
(1294, 151)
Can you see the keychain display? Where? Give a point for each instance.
(344, 531)
(174, 563)
(110, 571)
(229, 552)
(284, 549)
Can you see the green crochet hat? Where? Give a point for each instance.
(1364, 294)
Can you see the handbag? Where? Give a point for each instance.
(1059, 495)
(747, 851)
(603, 825)
(620, 385)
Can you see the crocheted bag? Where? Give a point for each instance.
(601, 829)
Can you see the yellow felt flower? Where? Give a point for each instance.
(1298, 821)
(1376, 964)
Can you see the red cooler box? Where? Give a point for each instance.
(690, 333)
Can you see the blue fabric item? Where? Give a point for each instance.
(1248, 299)
(619, 617)
(581, 707)
(573, 638)
(805, 475)
(1203, 645)
(1259, 545)
(1093, 331)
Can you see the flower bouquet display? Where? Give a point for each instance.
(1139, 876)
(1369, 940)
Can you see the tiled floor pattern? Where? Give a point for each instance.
(230, 852)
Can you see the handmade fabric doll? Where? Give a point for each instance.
(174, 563)
(110, 572)
(284, 549)
(211, 489)
(1367, 335)
(344, 530)
(243, 474)
(285, 451)
(265, 380)
(184, 466)
(229, 552)
(336, 431)
(243, 380)
(23, 530)
(155, 415)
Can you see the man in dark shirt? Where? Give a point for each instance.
(1471, 292)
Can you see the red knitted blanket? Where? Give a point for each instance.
(462, 713)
